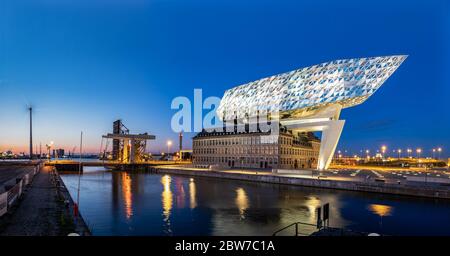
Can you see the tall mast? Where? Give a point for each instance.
(31, 133)
(79, 169)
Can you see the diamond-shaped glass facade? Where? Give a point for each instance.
(295, 94)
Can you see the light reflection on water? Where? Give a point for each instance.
(121, 203)
(166, 197)
(381, 210)
(241, 202)
(167, 201)
(192, 194)
(127, 194)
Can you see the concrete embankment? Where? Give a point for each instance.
(374, 187)
(44, 208)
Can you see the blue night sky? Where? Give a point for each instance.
(83, 64)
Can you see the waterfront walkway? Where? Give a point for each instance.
(40, 211)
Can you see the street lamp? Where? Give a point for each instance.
(409, 152)
(434, 151)
(367, 153)
(418, 154)
(399, 151)
(439, 152)
(169, 143)
(383, 150)
(49, 146)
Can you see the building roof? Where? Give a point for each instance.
(244, 130)
(346, 82)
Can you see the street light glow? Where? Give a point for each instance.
(169, 143)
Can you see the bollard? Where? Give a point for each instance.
(75, 210)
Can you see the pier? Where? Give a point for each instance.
(38, 202)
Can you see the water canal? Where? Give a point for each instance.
(122, 203)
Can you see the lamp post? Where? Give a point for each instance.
(434, 151)
(169, 143)
(383, 150)
(48, 149)
(399, 151)
(409, 152)
(31, 132)
(49, 146)
(439, 152)
(418, 154)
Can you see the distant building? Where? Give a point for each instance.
(58, 153)
(185, 155)
(288, 150)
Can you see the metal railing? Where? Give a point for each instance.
(296, 225)
(14, 191)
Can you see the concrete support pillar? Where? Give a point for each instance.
(126, 153)
(132, 150)
(330, 138)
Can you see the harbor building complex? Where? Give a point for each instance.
(297, 103)
(249, 150)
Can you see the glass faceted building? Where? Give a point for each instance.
(308, 99)
(301, 92)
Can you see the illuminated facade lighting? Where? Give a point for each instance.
(311, 98)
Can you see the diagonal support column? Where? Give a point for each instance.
(330, 137)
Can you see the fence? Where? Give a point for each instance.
(13, 192)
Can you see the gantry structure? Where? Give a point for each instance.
(127, 148)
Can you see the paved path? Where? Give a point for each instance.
(40, 212)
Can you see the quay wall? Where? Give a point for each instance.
(80, 224)
(372, 187)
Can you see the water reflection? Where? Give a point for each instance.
(167, 201)
(381, 210)
(120, 203)
(180, 193)
(127, 195)
(242, 202)
(312, 203)
(192, 194)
